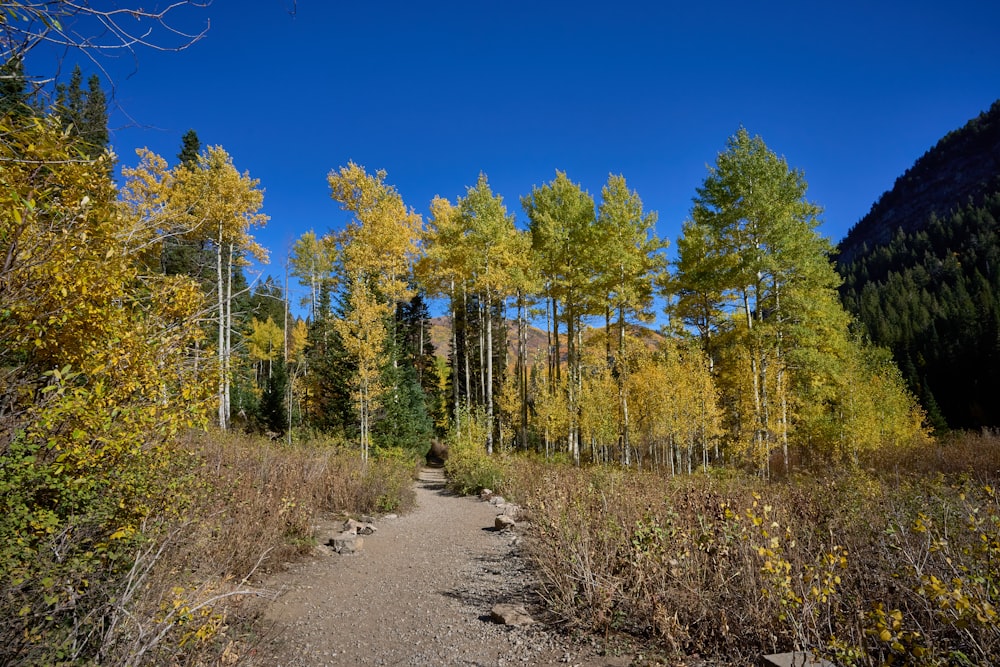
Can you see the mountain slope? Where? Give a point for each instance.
(962, 167)
(922, 273)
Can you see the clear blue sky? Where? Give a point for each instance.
(435, 92)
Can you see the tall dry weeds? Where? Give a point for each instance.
(899, 565)
(246, 505)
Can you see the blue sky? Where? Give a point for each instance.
(435, 92)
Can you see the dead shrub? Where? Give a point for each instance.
(247, 504)
(865, 568)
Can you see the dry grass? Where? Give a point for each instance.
(899, 565)
(188, 598)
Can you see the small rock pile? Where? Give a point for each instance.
(349, 539)
(507, 518)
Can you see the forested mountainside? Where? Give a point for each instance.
(921, 272)
(963, 167)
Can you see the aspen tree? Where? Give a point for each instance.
(312, 262)
(630, 260)
(443, 270)
(562, 221)
(225, 204)
(376, 251)
(497, 254)
(758, 232)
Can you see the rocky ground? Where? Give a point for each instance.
(419, 592)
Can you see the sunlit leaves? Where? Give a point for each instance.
(380, 241)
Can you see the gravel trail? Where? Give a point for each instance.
(418, 593)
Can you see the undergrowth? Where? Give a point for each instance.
(183, 593)
(893, 565)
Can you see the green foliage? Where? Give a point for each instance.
(273, 410)
(404, 421)
(755, 280)
(96, 385)
(469, 468)
(14, 93)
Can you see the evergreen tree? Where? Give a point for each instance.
(94, 130)
(190, 149)
(328, 404)
(14, 94)
(85, 114)
(184, 255)
(273, 411)
(932, 296)
(404, 420)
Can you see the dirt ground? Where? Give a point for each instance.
(418, 593)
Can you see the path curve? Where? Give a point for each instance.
(419, 593)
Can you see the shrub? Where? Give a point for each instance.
(173, 591)
(866, 568)
(469, 468)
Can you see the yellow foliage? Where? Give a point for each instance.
(381, 241)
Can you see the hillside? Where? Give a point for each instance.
(921, 272)
(441, 338)
(963, 166)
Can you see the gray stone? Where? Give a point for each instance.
(795, 659)
(347, 543)
(510, 614)
(503, 522)
(497, 500)
(358, 527)
(485, 494)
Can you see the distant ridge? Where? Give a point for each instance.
(963, 166)
(536, 338)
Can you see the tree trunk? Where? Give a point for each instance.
(522, 362)
(623, 439)
(465, 349)
(223, 422)
(229, 334)
(489, 372)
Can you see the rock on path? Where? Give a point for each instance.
(419, 593)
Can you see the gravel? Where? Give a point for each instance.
(418, 593)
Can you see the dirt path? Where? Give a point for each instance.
(419, 593)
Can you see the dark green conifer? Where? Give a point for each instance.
(273, 412)
(14, 95)
(84, 114)
(190, 147)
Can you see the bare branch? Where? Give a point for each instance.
(25, 24)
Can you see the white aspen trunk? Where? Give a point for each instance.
(522, 360)
(757, 435)
(548, 348)
(223, 422)
(229, 335)
(465, 350)
(454, 364)
(571, 355)
(622, 393)
(557, 359)
(489, 372)
(780, 379)
(482, 346)
(288, 373)
(363, 408)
